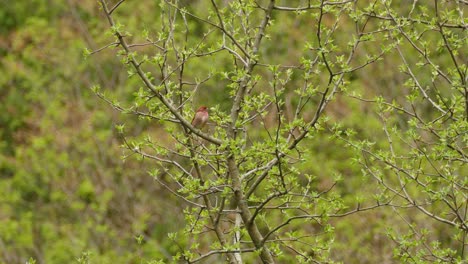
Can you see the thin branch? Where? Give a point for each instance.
(115, 7)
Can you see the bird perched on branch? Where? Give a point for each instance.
(200, 118)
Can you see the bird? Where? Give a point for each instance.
(200, 118)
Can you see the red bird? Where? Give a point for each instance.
(200, 118)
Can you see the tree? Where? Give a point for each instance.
(249, 184)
